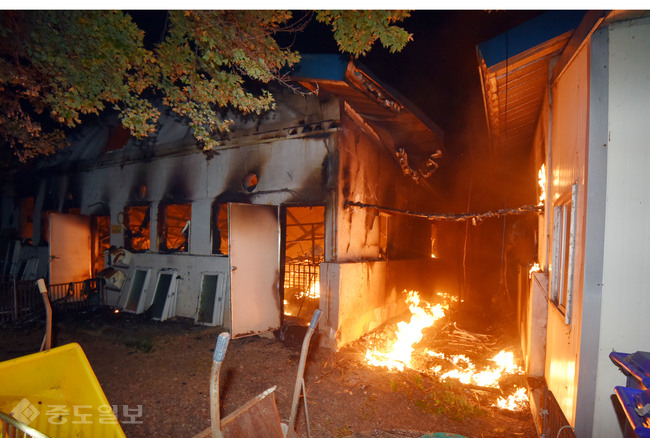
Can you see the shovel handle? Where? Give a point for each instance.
(220, 348)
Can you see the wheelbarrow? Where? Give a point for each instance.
(259, 416)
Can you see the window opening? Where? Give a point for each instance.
(101, 241)
(26, 219)
(219, 227)
(118, 137)
(134, 301)
(136, 228)
(304, 252)
(564, 225)
(174, 227)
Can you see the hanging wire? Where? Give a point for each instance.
(475, 218)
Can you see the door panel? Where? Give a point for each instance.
(70, 255)
(254, 252)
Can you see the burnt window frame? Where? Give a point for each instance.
(563, 251)
(145, 225)
(162, 232)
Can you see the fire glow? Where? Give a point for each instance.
(542, 184)
(397, 356)
(313, 292)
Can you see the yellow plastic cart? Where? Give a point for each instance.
(57, 393)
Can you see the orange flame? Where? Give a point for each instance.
(398, 355)
(513, 402)
(542, 184)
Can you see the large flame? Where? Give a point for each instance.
(397, 356)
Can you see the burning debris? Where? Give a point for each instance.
(424, 172)
(397, 351)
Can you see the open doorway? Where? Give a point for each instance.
(303, 253)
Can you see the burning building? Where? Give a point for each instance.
(278, 220)
(571, 90)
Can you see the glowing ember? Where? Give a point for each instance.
(542, 184)
(447, 297)
(534, 268)
(398, 355)
(513, 402)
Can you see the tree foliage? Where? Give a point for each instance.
(57, 66)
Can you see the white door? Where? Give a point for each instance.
(254, 240)
(70, 259)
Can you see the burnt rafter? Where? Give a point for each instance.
(423, 172)
(375, 92)
(452, 217)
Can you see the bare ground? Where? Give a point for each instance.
(165, 369)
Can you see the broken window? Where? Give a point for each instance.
(303, 254)
(219, 227)
(564, 223)
(174, 227)
(117, 138)
(26, 218)
(136, 228)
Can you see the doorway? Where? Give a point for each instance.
(304, 250)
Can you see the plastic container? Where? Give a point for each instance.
(57, 393)
(635, 396)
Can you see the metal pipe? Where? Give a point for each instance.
(217, 359)
(47, 340)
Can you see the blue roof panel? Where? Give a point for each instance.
(528, 35)
(321, 66)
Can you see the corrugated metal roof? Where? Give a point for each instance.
(390, 117)
(515, 82)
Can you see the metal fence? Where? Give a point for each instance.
(301, 287)
(20, 300)
(557, 425)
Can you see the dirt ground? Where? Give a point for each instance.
(164, 370)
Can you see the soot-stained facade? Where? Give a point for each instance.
(275, 222)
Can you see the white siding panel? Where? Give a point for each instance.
(626, 265)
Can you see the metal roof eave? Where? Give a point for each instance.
(378, 105)
(521, 75)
